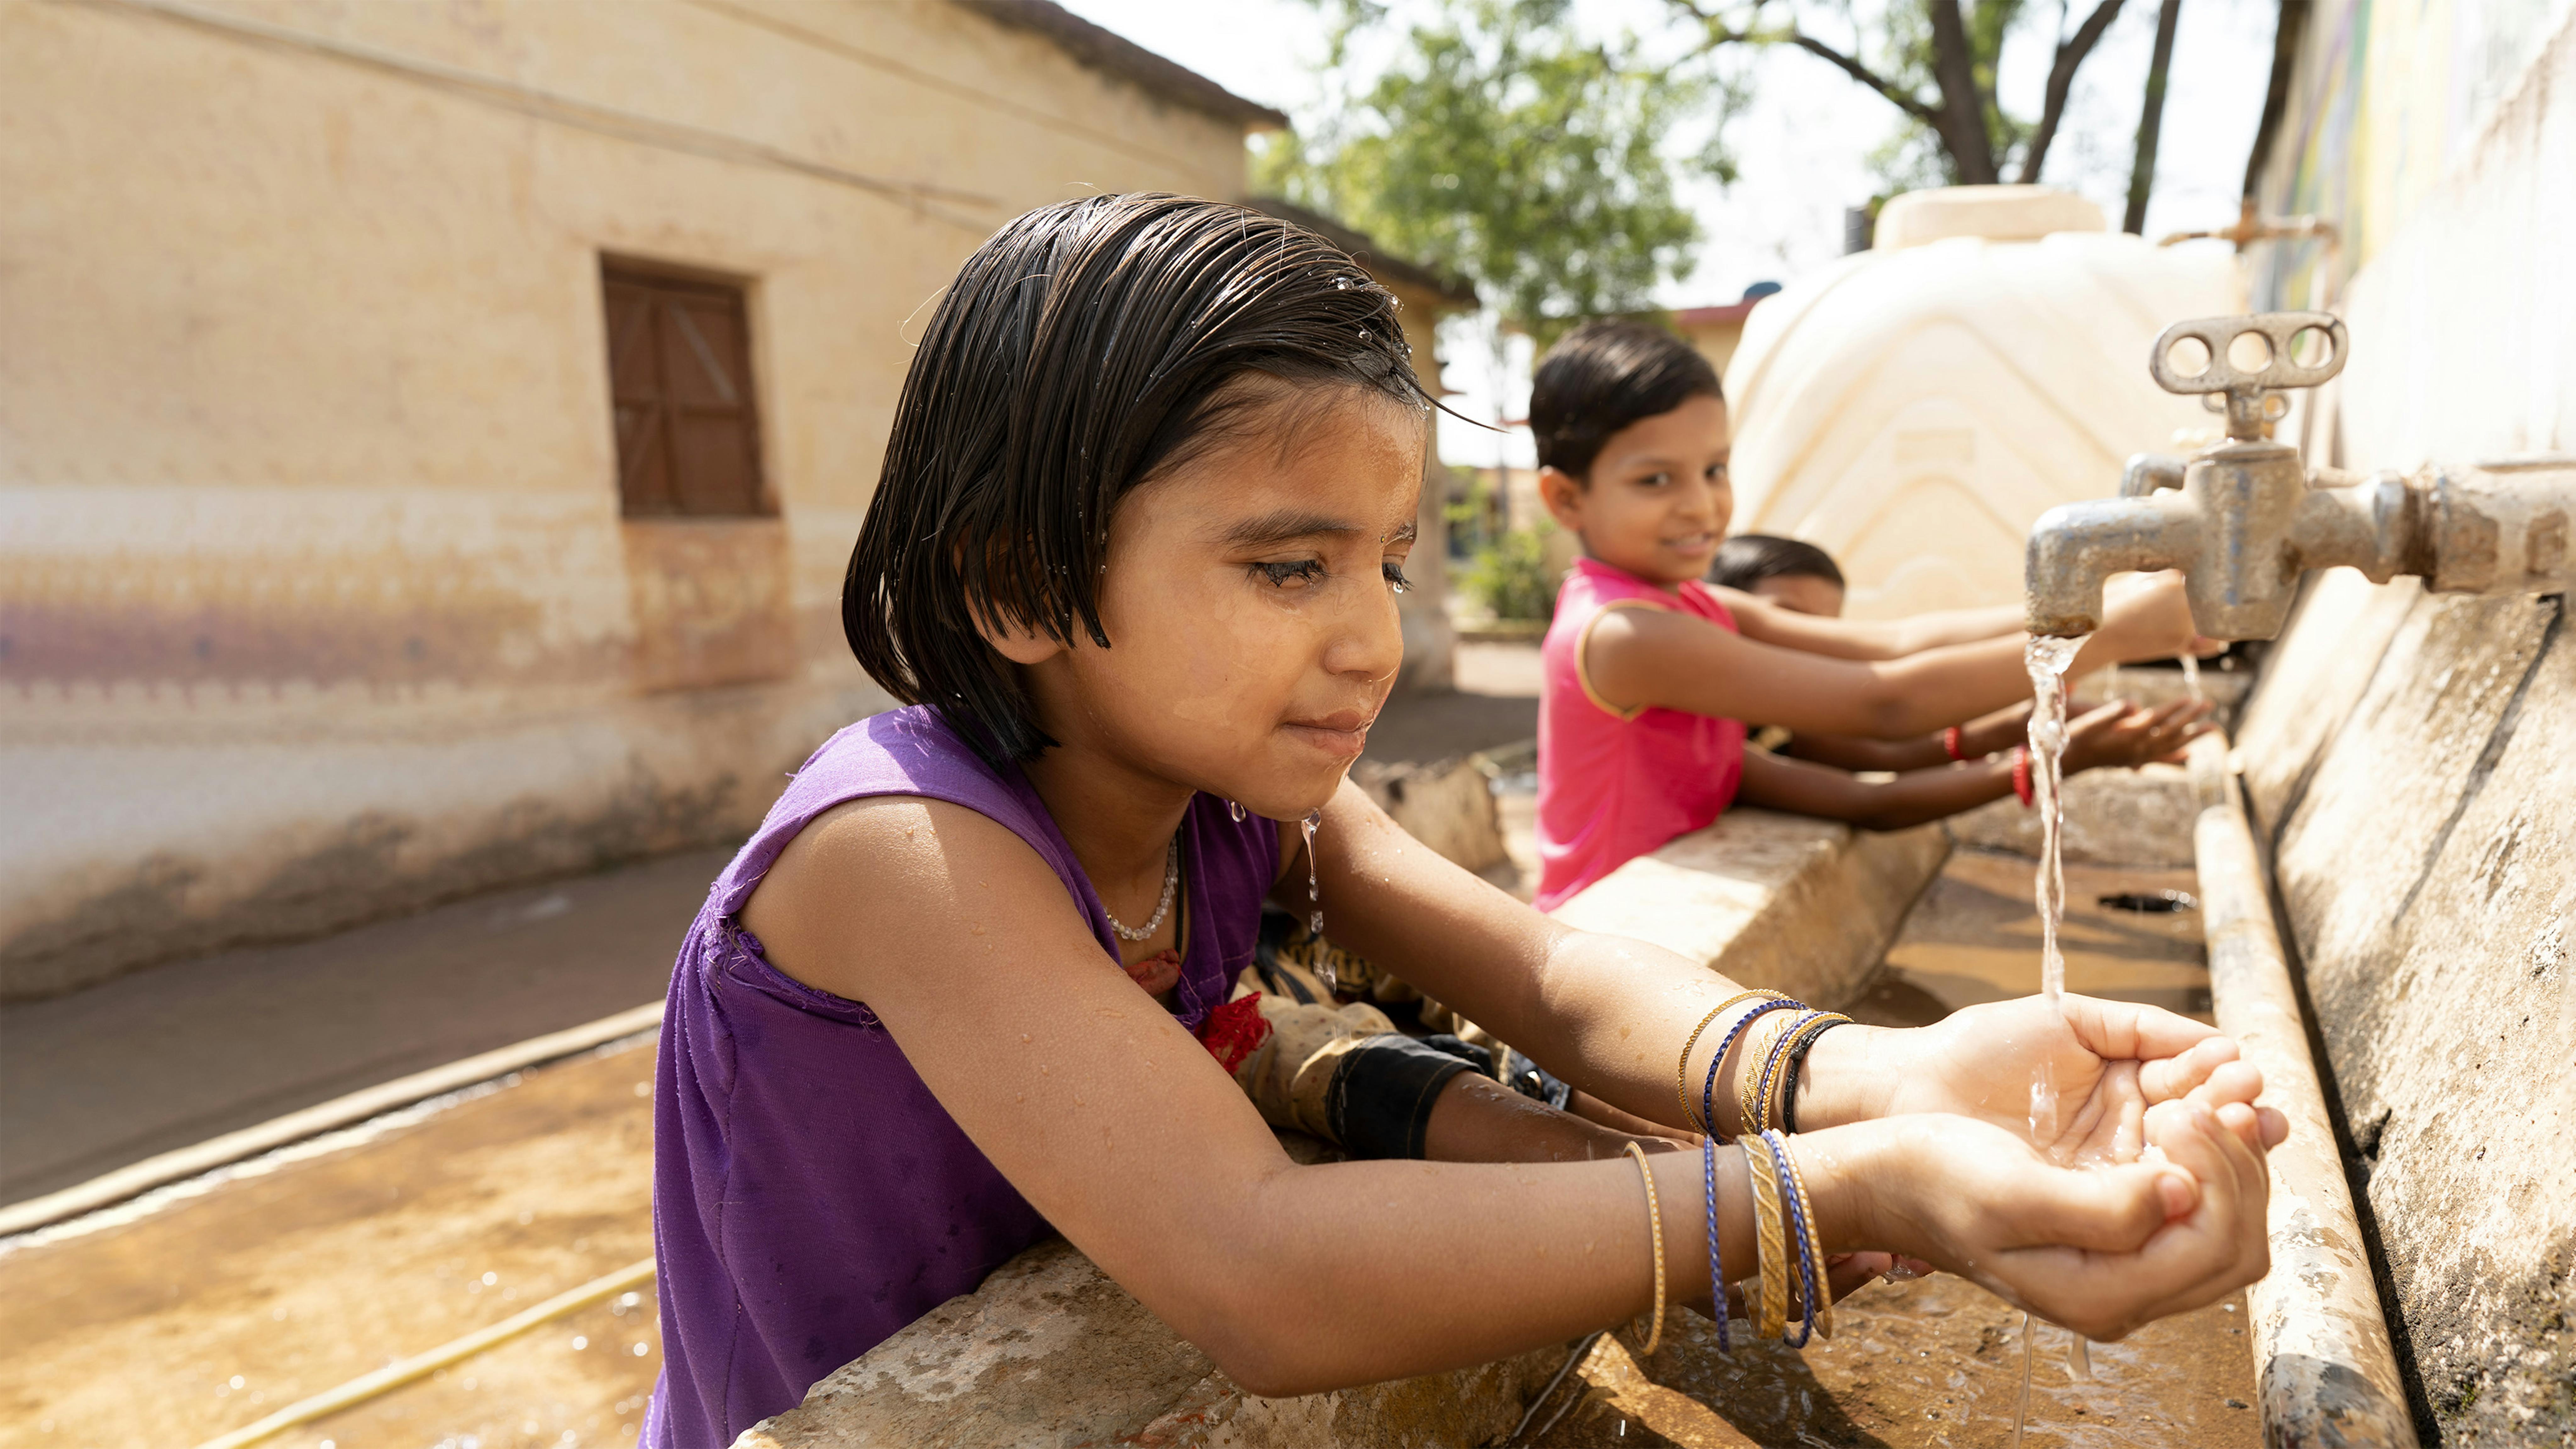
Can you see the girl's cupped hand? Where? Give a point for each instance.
(2076, 1083)
(2101, 1251)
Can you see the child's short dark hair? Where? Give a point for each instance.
(1603, 377)
(1749, 558)
(1081, 349)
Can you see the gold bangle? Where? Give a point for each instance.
(1775, 1101)
(1815, 1242)
(1771, 1243)
(1681, 1071)
(1655, 1229)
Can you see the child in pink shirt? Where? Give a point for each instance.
(1647, 672)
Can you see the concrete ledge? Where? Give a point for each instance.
(1050, 1354)
(1799, 905)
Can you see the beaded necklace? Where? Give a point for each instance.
(1162, 907)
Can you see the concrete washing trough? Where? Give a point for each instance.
(2386, 872)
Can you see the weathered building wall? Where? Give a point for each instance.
(2413, 759)
(315, 596)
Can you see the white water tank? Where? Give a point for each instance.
(1912, 408)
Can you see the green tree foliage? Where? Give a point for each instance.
(1504, 146)
(1509, 577)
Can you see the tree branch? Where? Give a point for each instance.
(2061, 79)
(1853, 68)
(1717, 32)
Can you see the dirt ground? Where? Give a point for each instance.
(172, 1056)
(279, 1284)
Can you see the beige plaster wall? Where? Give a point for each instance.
(2412, 760)
(314, 596)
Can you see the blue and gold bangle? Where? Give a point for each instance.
(1708, 1089)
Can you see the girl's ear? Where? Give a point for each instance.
(1015, 642)
(1563, 493)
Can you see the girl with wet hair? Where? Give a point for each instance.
(1131, 566)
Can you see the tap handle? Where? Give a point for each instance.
(2246, 357)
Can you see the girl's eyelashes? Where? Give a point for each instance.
(1280, 574)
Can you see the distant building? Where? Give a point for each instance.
(431, 437)
(1713, 331)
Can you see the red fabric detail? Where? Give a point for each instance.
(1235, 1031)
(1157, 973)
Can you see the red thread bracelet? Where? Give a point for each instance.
(2021, 774)
(1950, 743)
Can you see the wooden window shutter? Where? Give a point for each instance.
(679, 377)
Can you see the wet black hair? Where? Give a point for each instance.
(1082, 349)
(1603, 377)
(1749, 558)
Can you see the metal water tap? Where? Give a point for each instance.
(2245, 518)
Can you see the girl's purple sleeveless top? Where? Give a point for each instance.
(810, 1196)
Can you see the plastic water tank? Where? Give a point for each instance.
(1912, 408)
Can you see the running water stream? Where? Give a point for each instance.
(1315, 901)
(2047, 659)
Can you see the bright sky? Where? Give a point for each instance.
(1803, 145)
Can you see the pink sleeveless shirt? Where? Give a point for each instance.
(1614, 784)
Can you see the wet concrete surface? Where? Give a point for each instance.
(172, 1056)
(1933, 1362)
(294, 1278)
(1974, 937)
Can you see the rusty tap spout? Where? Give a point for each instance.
(2075, 547)
(2245, 520)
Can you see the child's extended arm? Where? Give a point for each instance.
(1762, 619)
(2113, 734)
(1128, 1137)
(1634, 657)
(1978, 738)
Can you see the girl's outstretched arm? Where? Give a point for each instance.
(2112, 734)
(1636, 657)
(1762, 619)
(1840, 638)
(1124, 1132)
(1978, 738)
